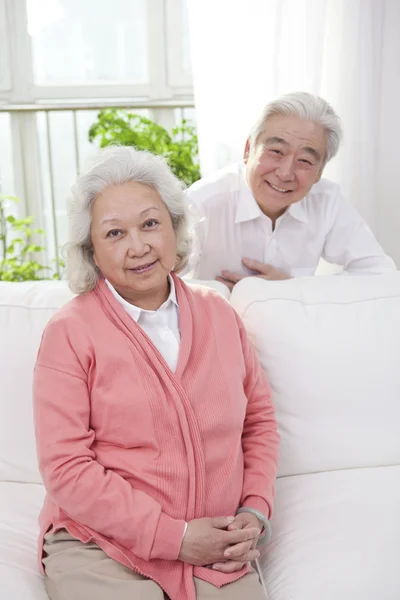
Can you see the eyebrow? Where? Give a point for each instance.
(312, 151)
(116, 220)
(146, 210)
(276, 140)
(308, 149)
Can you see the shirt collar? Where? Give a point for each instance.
(297, 211)
(248, 209)
(134, 310)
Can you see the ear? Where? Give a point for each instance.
(321, 170)
(246, 152)
(95, 259)
(319, 175)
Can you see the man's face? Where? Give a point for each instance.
(284, 162)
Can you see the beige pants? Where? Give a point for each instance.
(77, 571)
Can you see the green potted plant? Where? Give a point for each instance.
(18, 255)
(180, 147)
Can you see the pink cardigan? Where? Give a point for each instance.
(129, 450)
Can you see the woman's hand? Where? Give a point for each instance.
(207, 540)
(235, 563)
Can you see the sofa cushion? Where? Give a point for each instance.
(330, 347)
(20, 578)
(335, 537)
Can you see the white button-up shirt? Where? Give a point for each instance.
(231, 226)
(161, 325)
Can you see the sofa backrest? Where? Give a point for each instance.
(330, 347)
(25, 309)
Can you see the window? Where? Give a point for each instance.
(81, 49)
(76, 55)
(6, 166)
(5, 82)
(90, 42)
(179, 63)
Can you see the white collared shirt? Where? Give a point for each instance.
(161, 325)
(231, 226)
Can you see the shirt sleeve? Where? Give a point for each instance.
(351, 244)
(84, 489)
(260, 438)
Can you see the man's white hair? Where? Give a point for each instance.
(117, 165)
(308, 107)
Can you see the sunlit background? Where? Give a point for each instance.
(214, 63)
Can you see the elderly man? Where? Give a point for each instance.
(272, 215)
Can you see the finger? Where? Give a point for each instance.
(267, 277)
(254, 542)
(274, 275)
(250, 520)
(241, 521)
(237, 550)
(249, 556)
(221, 522)
(241, 535)
(256, 265)
(229, 567)
(229, 284)
(235, 277)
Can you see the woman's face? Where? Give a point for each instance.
(134, 242)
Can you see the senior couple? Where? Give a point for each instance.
(156, 435)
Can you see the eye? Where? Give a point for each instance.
(307, 162)
(114, 233)
(276, 151)
(150, 224)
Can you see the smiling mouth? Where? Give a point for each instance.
(143, 268)
(278, 189)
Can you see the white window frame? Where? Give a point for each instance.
(5, 73)
(167, 79)
(176, 76)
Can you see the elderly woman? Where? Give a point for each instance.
(156, 435)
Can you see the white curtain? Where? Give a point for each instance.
(248, 52)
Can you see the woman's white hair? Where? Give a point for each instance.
(118, 165)
(308, 107)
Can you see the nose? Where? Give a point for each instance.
(285, 169)
(138, 246)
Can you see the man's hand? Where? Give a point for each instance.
(206, 541)
(242, 521)
(262, 270)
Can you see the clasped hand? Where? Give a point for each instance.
(224, 543)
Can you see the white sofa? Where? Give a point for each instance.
(331, 350)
